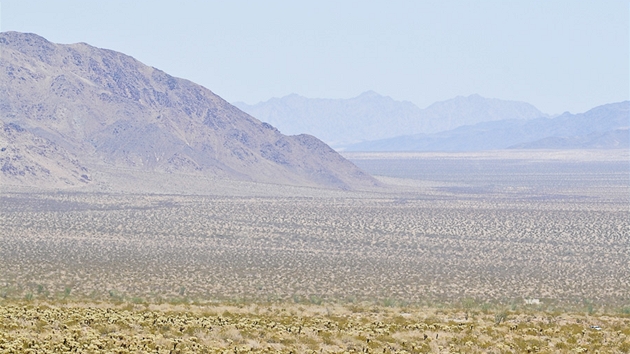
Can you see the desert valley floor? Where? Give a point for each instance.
(498, 228)
(497, 252)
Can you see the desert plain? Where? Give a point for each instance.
(509, 251)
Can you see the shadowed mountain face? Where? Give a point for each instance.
(106, 108)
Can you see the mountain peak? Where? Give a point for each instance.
(371, 116)
(13, 36)
(108, 108)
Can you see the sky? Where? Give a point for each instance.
(560, 56)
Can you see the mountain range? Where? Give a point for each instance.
(69, 110)
(71, 114)
(603, 127)
(370, 116)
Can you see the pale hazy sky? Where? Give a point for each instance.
(558, 55)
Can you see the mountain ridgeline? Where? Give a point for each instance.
(370, 116)
(371, 122)
(603, 127)
(87, 108)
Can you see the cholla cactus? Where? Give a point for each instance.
(25, 327)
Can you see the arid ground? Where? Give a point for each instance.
(528, 233)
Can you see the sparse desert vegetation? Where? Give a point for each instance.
(97, 328)
(545, 251)
(411, 251)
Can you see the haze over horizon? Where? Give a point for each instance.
(413, 180)
(558, 55)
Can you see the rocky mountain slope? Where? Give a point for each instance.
(108, 109)
(603, 127)
(370, 116)
(26, 158)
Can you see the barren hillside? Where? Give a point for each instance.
(109, 109)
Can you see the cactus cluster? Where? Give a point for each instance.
(27, 327)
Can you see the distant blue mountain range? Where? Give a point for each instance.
(370, 116)
(603, 127)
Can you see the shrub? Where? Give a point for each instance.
(500, 317)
